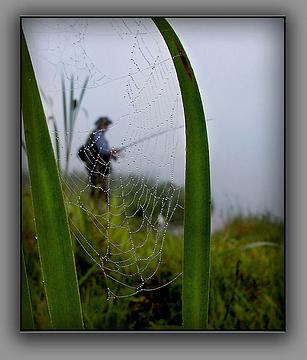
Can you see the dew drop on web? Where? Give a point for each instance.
(140, 93)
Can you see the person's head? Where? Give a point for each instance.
(102, 123)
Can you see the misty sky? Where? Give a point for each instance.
(239, 67)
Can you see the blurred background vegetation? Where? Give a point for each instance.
(247, 278)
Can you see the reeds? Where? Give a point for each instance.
(70, 114)
(54, 242)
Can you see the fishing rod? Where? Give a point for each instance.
(150, 137)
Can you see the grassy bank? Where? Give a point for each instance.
(247, 280)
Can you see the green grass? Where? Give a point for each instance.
(52, 231)
(71, 108)
(247, 284)
(246, 291)
(197, 205)
(26, 310)
(51, 222)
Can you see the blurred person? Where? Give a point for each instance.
(97, 155)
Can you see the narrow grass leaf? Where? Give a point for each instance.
(70, 122)
(88, 274)
(251, 246)
(27, 322)
(74, 109)
(23, 146)
(56, 140)
(54, 242)
(196, 265)
(80, 99)
(64, 109)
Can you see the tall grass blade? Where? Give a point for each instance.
(80, 99)
(64, 110)
(27, 322)
(70, 122)
(23, 146)
(74, 109)
(196, 265)
(49, 102)
(54, 242)
(56, 140)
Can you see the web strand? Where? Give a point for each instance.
(121, 219)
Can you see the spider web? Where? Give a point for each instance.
(124, 227)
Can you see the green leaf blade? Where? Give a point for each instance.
(64, 108)
(197, 219)
(27, 322)
(54, 242)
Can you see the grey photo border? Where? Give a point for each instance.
(217, 346)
